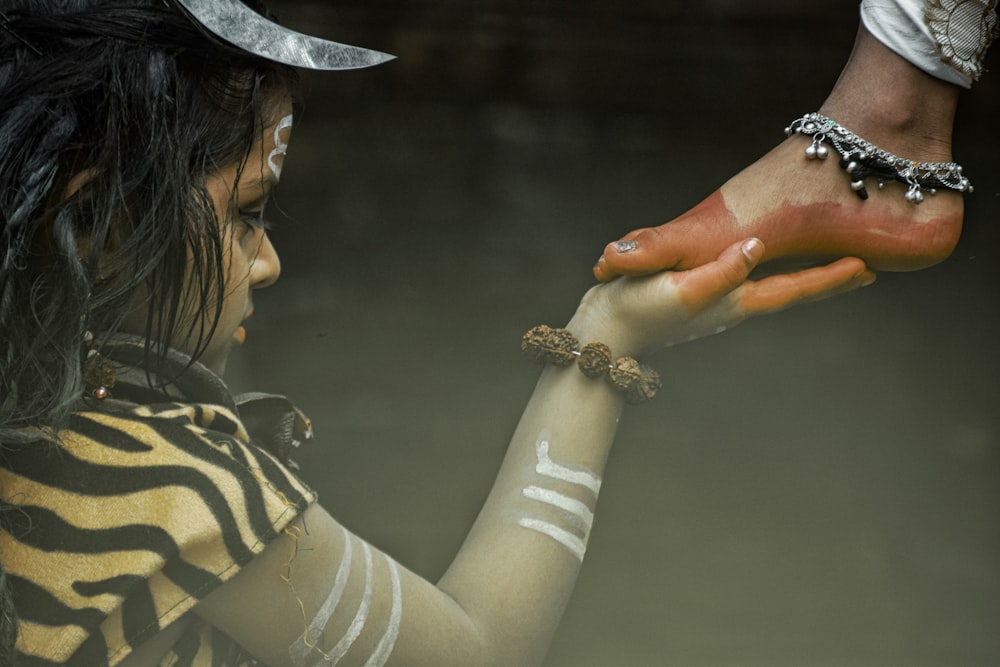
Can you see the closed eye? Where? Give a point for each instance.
(255, 219)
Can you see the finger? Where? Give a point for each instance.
(702, 286)
(781, 291)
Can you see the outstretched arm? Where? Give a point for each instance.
(321, 595)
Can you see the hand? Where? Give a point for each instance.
(638, 315)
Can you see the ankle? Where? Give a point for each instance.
(883, 98)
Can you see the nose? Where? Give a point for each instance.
(266, 265)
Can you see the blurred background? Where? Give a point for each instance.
(821, 487)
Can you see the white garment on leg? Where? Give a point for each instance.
(945, 38)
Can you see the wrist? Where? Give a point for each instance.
(559, 347)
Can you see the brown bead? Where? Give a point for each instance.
(594, 360)
(549, 345)
(623, 373)
(639, 383)
(644, 388)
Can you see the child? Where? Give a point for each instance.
(150, 517)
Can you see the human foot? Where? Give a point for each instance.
(803, 210)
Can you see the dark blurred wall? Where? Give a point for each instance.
(818, 488)
(698, 57)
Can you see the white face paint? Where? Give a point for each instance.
(575, 511)
(280, 147)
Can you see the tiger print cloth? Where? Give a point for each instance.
(136, 512)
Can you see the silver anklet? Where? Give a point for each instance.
(862, 159)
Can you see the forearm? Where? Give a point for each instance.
(516, 570)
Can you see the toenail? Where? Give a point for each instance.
(626, 246)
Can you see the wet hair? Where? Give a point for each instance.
(112, 115)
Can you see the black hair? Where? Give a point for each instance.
(112, 115)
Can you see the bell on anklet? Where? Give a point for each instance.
(914, 194)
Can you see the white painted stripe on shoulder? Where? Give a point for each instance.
(388, 641)
(360, 618)
(300, 649)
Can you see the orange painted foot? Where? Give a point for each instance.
(805, 212)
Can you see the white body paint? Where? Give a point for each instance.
(388, 641)
(575, 545)
(549, 468)
(360, 618)
(579, 512)
(299, 651)
(280, 147)
(563, 502)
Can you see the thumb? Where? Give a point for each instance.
(702, 286)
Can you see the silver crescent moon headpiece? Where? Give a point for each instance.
(239, 25)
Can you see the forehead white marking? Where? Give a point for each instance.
(280, 147)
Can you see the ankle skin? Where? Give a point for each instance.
(900, 108)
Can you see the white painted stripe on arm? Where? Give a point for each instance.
(563, 502)
(388, 641)
(300, 649)
(360, 618)
(549, 468)
(575, 545)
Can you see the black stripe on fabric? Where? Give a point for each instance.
(108, 436)
(276, 475)
(139, 619)
(199, 413)
(47, 531)
(37, 605)
(26, 660)
(221, 422)
(192, 444)
(93, 652)
(86, 478)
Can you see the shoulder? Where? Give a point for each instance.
(163, 503)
